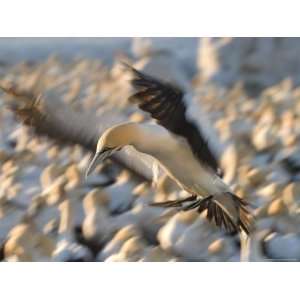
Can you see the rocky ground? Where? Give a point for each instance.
(49, 212)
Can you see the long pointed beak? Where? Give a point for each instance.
(98, 158)
(93, 164)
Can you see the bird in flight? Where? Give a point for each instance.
(178, 145)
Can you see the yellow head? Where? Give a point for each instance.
(112, 140)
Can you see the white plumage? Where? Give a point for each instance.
(180, 147)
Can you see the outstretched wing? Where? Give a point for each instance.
(52, 118)
(165, 103)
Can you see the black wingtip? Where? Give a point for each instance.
(125, 65)
(140, 79)
(128, 67)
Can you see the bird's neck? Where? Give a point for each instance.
(128, 133)
(142, 137)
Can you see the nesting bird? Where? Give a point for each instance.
(67, 248)
(179, 147)
(96, 227)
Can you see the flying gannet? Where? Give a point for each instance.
(178, 146)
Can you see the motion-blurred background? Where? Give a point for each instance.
(67, 90)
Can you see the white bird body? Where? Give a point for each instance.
(186, 171)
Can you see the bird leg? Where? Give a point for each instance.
(174, 203)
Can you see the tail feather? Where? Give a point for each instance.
(230, 213)
(227, 211)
